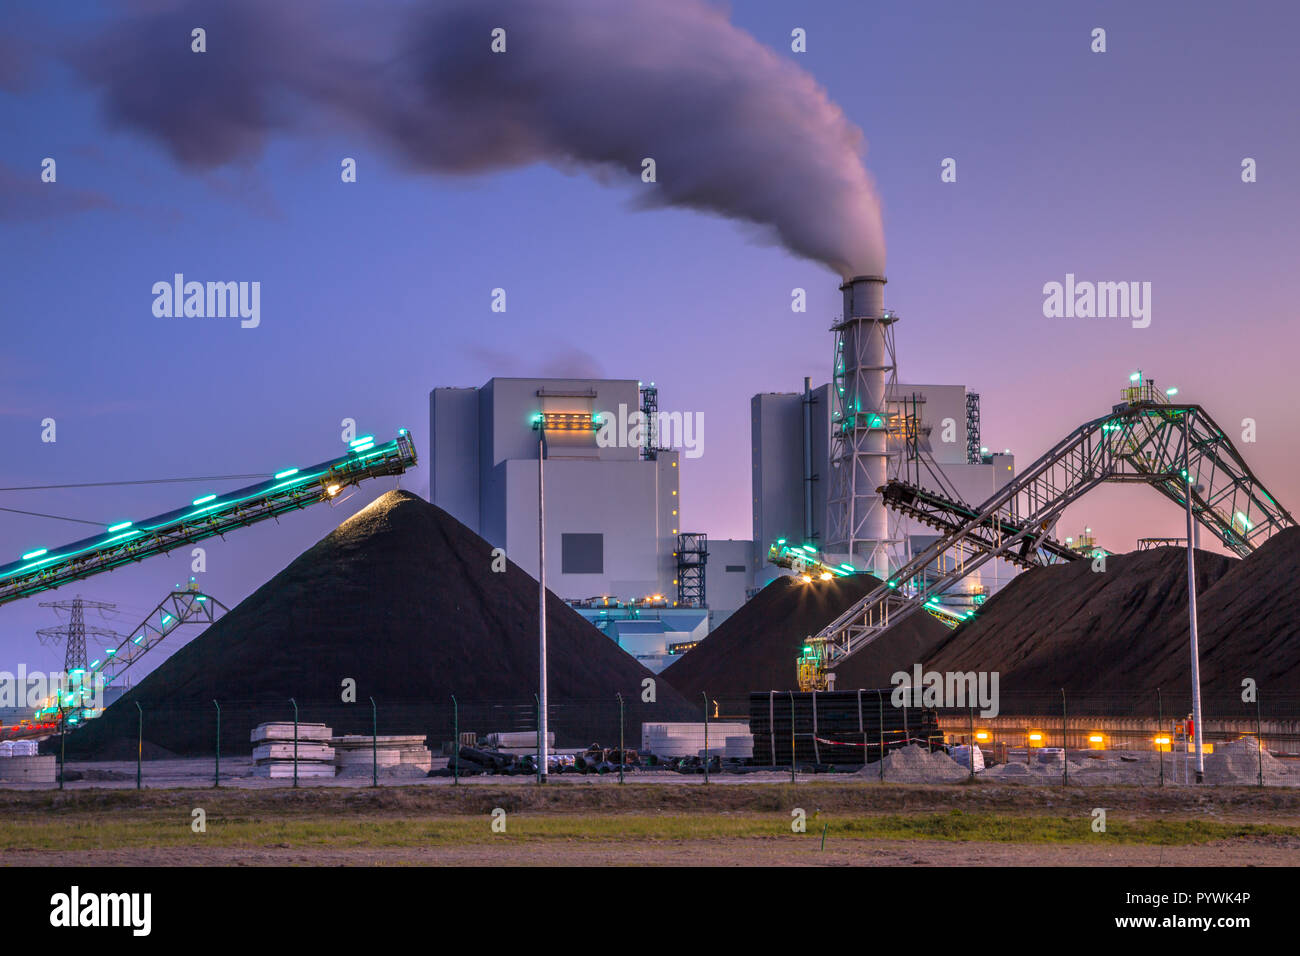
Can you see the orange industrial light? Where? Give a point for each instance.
(981, 735)
(1035, 738)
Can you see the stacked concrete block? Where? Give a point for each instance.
(725, 739)
(19, 763)
(357, 756)
(517, 742)
(273, 750)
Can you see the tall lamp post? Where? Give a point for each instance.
(542, 743)
(1189, 489)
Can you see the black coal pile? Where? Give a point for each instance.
(401, 600)
(1248, 624)
(756, 648)
(1120, 633)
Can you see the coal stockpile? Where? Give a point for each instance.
(1248, 624)
(1113, 636)
(756, 648)
(835, 728)
(401, 599)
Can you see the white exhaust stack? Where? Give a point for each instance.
(865, 372)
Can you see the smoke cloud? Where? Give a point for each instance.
(734, 129)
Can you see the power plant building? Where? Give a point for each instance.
(616, 548)
(614, 542)
(611, 509)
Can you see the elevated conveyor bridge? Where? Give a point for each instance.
(1177, 449)
(208, 516)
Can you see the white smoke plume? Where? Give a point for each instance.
(734, 128)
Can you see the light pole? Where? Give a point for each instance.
(542, 743)
(1191, 594)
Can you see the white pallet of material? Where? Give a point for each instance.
(392, 751)
(358, 741)
(283, 730)
(284, 768)
(364, 758)
(740, 745)
(680, 739)
(518, 739)
(279, 750)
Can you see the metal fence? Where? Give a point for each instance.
(1138, 739)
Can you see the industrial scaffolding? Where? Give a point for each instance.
(692, 556)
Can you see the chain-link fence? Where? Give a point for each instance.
(1144, 740)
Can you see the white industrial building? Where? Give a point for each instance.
(611, 512)
(612, 503)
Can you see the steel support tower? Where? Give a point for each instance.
(184, 605)
(862, 460)
(973, 454)
(73, 636)
(692, 556)
(649, 422)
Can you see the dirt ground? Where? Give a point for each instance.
(776, 851)
(578, 794)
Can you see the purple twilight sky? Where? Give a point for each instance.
(1118, 166)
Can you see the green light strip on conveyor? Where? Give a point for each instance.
(297, 479)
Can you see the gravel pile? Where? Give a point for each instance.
(1232, 764)
(915, 764)
(1239, 763)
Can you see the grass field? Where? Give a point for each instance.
(650, 824)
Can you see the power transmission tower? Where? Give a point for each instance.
(73, 635)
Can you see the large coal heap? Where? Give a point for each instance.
(1123, 632)
(401, 599)
(1248, 621)
(755, 649)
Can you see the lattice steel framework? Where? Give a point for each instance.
(950, 515)
(862, 455)
(182, 606)
(1144, 439)
(907, 429)
(692, 557)
(1149, 544)
(650, 422)
(206, 517)
(973, 454)
(73, 635)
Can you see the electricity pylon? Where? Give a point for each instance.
(73, 635)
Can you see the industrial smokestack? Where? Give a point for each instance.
(864, 296)
(464, 87)
(865, 368)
